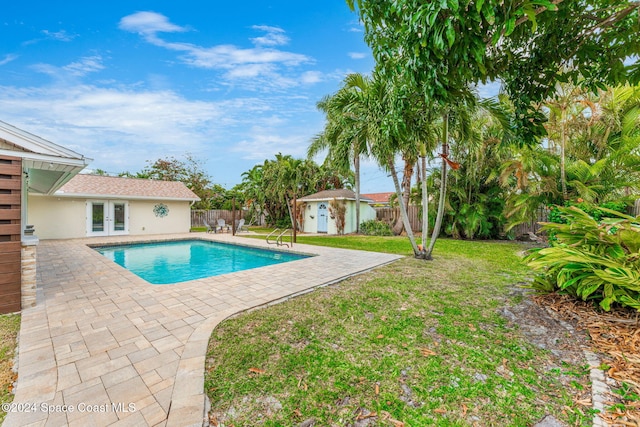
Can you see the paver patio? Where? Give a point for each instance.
(104, 347)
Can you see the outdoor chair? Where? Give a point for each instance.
(222, 225)
(209, 227)
(241, 227)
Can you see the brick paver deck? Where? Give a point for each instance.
(104, 347)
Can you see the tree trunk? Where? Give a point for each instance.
(356, 164)
(563, 142)
(443, 186)
(425, 200)
(406, 193)
(403, 210)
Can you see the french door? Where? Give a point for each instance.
(107, 217)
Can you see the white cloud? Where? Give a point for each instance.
(357, 55)
(148, 24)
(61, 35)
(120, 129)
(311, 77)
(263, 143)
(8, 58)
(228, 56)
(261, 60)
(275, 36)
(86, 65)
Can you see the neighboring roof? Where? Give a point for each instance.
(98, 186)
(342, 193)
(379, 197)
(49, 165)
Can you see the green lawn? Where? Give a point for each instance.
(414, 342)
(9, 327)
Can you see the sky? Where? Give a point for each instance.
(128, 82)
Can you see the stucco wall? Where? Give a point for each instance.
(311, 224)
(57, 218)
(142, 219)
(65, 218)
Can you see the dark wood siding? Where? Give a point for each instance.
(10, 246)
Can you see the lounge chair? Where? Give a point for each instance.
(222, 225)
(209, 227)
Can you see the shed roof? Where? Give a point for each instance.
(342, 193)
(98, 186)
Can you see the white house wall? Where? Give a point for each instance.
(65, 218)
(310, 225)
(142, 219)
(57, 218)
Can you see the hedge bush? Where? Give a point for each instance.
(591, 260)
(376, 228)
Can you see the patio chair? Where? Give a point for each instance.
(209, 227)
(241, 227)
(222, 225)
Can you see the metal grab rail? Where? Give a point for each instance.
(272, 233)
(278, 241)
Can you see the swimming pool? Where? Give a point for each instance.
(178, 261)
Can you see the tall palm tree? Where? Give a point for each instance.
(345, 136)
(388, 118)
(565, 111)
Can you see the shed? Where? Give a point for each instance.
(328, 210)
(97, 205)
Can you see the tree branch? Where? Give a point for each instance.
(538, 11)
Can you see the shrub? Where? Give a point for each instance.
(375, 228)
(595, 211)
(592, 260)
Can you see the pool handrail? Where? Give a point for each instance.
(270, 234)
(278, 241)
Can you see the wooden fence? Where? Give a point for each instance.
(532, 226)
(198, 217)
(10, 246)
(391, 215)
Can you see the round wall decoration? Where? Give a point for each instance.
(161, 210)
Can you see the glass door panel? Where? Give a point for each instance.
(119, 217)
(106, 217)
(97, 217)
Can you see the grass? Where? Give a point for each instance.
(9, 327)
(412, 343)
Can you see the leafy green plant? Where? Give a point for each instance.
(592, 260)
(595, 211)
(375, 228)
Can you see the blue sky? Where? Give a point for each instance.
(125, 82)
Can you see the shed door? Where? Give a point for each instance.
(322, 218)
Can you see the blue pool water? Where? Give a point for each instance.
(178, 261)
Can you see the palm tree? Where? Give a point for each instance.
(345, 133)
(565, 112)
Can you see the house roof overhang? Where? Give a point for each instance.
(48, 166)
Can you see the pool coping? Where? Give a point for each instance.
(86, 301)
